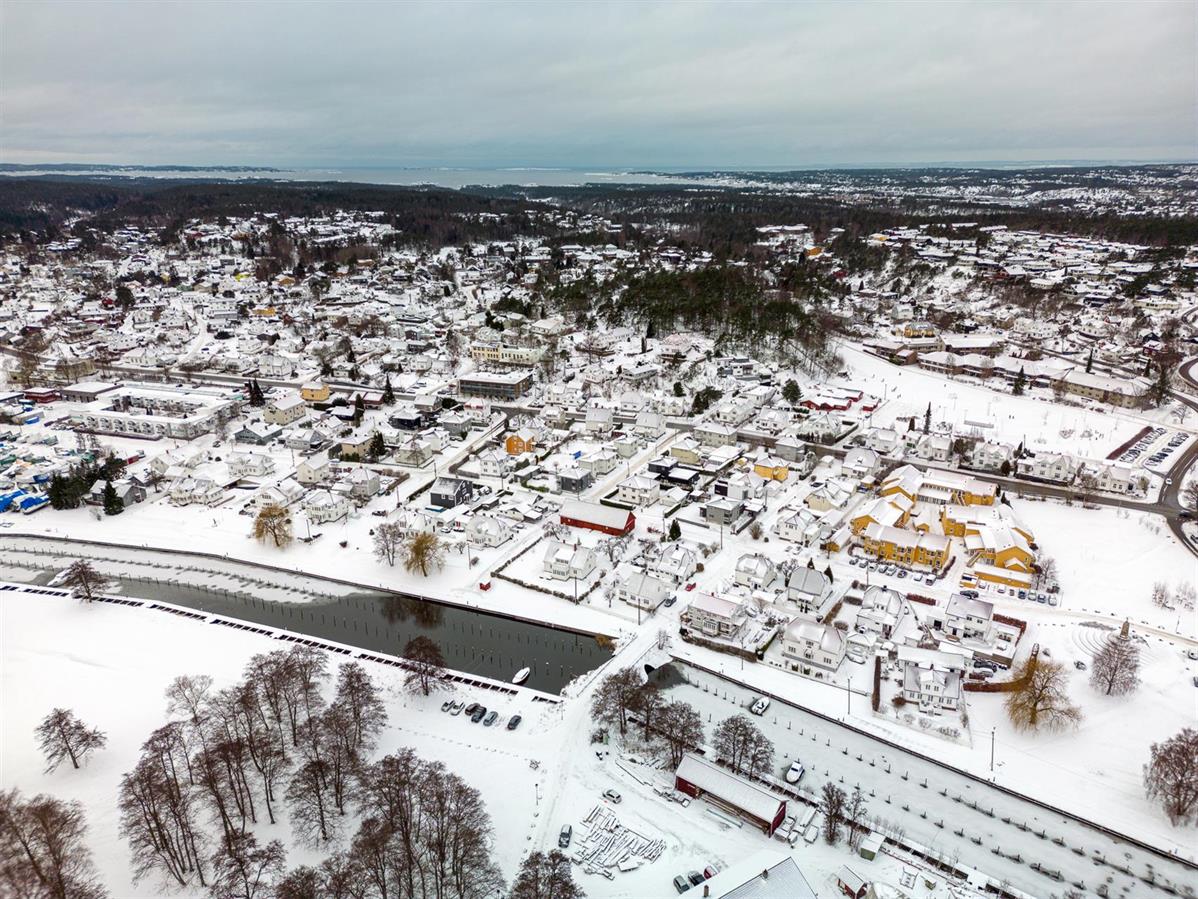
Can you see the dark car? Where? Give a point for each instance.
(490, 719)
(695, 878)
(472, 708)
(563, 838)
(513, 722)
(479, 713)
(681, 884)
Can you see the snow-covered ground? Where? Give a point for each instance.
(1033, 419)
(56, 651)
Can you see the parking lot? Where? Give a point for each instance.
(1156, 450)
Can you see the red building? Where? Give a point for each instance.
(597, 517)
(698, 777)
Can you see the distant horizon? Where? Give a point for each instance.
(996, 164)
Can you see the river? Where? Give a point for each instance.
(471, 641)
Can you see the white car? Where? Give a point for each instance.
(794, 773)
(760, 706)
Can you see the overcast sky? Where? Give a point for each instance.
(573, 84)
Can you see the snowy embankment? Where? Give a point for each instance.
(223, 557)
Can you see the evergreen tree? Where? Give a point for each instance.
(678, 391)
(388, 393)
(359, 409)
(1090, 361)
(378, 447)
(1020, 383)
(927, 419)
(791, 392)
(675, 530)
(112, 502)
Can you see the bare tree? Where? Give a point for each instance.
(1116, 667)
(855, 816)
(647, 703)
(1161, 596)
(273, 521)
(1040, 699)
(158, 819)
(61, 736)
(388, 539)
(743, 746)
(546, 875)
(242, 869)
(360, 696)
(313, 817)
(615, 697)
(423, 551)
(338, 877)
(42, 849)
(834, 807)
(1172, 776)
(1046, 570)
(1189, 495)
(682, 730)
(84, 580)
(425, 664)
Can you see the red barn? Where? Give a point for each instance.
(597, 517)
(698, 777)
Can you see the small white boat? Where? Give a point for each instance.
(521, 675)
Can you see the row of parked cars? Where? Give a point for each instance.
(1141, 446)
(476, 713)
(684, 882)
(890, 569)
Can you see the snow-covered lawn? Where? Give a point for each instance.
(111, 664)
(1033, 419)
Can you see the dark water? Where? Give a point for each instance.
(470, 640)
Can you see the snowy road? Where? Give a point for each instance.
(962, 821)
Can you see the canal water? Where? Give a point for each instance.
(470, 640)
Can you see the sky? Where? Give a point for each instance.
(572, 84)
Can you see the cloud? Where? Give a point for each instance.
(672, 84)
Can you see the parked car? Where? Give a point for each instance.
(794, 773)
(456, 708)
(563, 838)
(670, 600)
(760, 706)
(612, 796)
(490, 719)
(1079, 665)
(472, 708)
(447, 705)
(695, 878)
(479, 714)
(711, 871)
(514, 722)
(681, 884)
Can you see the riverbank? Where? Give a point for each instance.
(226, 559)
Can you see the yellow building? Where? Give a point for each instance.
(938, 487)
(886, 511)
(771, 469)
(315, 392)
(905, 547)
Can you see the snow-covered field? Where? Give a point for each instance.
(1034, 420)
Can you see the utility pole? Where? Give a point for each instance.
(992, 731)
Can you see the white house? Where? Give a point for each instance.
(642, 589)
(880, 610)
(813, 650)
(250, 465)
(808, 588)
(486, 531)
(755, 571)
(639, 490)
(932, 679)
(493, 464)
(968, 619)
(285, 410)
(323, 506)
(1060, 468)
(564, 562)
(674, 563)
(713, 616)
